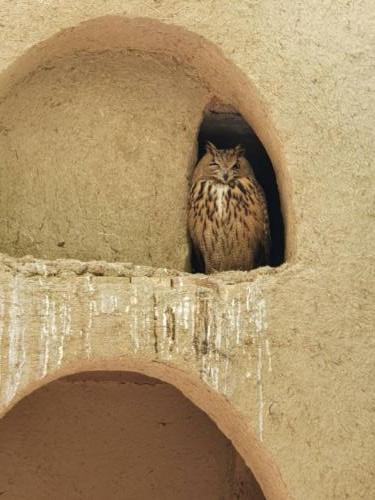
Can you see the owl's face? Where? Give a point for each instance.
(223, 165)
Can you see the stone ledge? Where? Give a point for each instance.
(29, 266)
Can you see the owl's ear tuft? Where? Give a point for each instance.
(239, 150)
(211, 148)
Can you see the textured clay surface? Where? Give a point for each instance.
(281, 360)
(99, 173)
(117, 436)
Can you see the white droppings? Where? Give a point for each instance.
(90, 284)
(260, 393)
(215, 376)
(208, 332)
(183, 312)
(65, 322)
(49, 331)
(53, 320)
(229, 325)
(16, 335)
(218, 336)
(256, 305)
(92, 312)
(87, 341)
(226, 368)
(210, 373)
(187, 312)
(133, 298)
(2, 323)
(44, 340)
(109, 303)
(238, 320)
(164, 323)
(268, 351)
(134, 324)
(259, 316)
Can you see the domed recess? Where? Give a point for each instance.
(95, 153)
(98, 139)
(97, 435)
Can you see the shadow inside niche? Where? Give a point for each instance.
(226, 130)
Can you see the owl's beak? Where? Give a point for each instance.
(225, 177)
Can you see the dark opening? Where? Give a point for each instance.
(226, 130)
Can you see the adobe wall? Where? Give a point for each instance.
(279, 358)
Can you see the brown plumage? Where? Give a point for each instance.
(228, 218)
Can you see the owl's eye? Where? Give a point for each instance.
(213, 165)
(236, 167)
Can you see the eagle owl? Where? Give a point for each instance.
(228, 218)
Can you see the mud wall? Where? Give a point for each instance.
(280, 359)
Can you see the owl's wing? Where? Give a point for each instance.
(265, 244)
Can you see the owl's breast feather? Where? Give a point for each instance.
(221, 191)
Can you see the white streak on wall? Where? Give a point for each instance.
(90, 285)
(65, 321)
(44, 340)
(92, 312)
(183, 312)
(238, 320)
(260, 393)
(210, 373)
(2, 327)
(108, 304)
(268, 351)
(213, 372)
(186, 312)
(92, 302)
(134, 326)
(16, 336)
(256, 306)
(226, 367)
(215, 376)
(53, 320)
(87, 339)
(259, 320)
(208, 332)
(164, 322)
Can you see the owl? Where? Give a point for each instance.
(227, 216)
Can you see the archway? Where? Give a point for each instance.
(229, 421)
(117, 435)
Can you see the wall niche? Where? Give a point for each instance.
(101, 126)
(226, 128)
(99, 434)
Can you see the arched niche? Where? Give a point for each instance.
(92, 182)
(106, 434)
(226, 128)
(85, 395)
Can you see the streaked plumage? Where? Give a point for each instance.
(228, 218)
